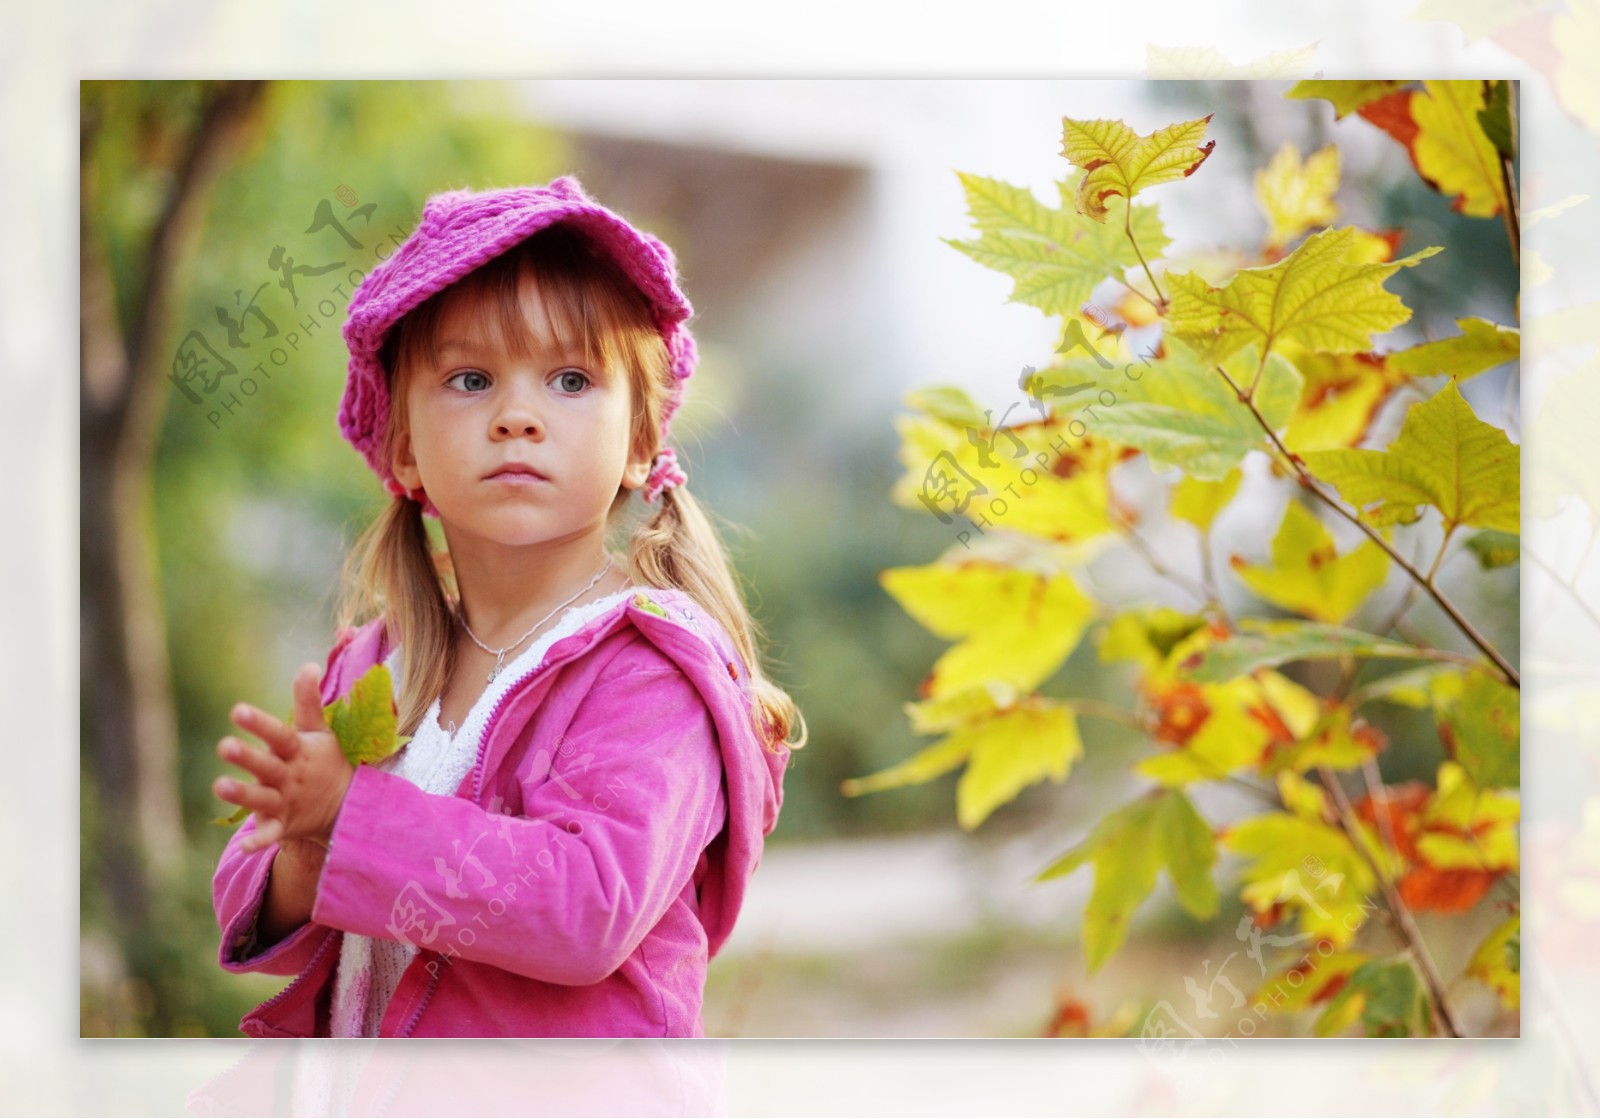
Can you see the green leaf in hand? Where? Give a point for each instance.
(365, 722)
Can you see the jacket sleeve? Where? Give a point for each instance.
(615, 815)
(238, 890)
(239, 886)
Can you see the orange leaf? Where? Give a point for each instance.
(1447, 891)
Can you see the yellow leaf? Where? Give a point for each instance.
(1336, 741)
(1498, 962)
(1308, 576)
(1342, 397)
(1306, 869)
(1013, 627)
(1121, 162)
(1467, 828)
(1004, 752)
(1309, 980)
(1198, 500)
(1011, 752)
(1344, 96)
(1481, 345)
(1297, 196)
(935, 715)
(1035, 478)
(1451, 150)
(1444, 456)
(1315, 297)
(1146, 635)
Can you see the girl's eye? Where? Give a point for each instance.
(572, 381)
(472, 380)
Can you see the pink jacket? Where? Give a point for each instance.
(577, 883)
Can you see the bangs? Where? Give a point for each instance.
(594, 312)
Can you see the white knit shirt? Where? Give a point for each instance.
(436, 761)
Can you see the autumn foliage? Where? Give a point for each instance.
(1207, 359)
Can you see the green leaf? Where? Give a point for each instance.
(1128, 848)
(1345, 97)
(1319, 297)
(1495, 548)
(1482, 730)
(1444, 456)
(236, 817)
(1181, 413)
(1121, 162)
(1308, 576)
(1482, 345)
(1261, 643)
(1416, 687)
(1393, 1001)
(1056, 257)
(365, 721)
(1495, 119)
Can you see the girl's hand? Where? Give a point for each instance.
(303, 775)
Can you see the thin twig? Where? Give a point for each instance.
(1106, 711)
(1308, 482)
(1127, 227)
(1392, 899)
(1142, 546)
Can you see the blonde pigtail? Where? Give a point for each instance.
(392, 570)
(678, 546)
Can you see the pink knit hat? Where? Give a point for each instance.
(461, 230)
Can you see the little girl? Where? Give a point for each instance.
(596, 755)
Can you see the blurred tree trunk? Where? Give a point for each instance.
(130, 747)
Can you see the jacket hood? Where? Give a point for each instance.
(686, 634)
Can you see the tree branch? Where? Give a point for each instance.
(1308, 482)
(1391, 898)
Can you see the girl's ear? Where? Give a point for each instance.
(404, 462)
(637, 472)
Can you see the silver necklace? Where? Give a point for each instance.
(500, 654)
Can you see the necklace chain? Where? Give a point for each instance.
(500, 654)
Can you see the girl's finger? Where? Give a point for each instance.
(267, 767)
(280, 738)
(257, 798)
(268, 831)
(308, 698)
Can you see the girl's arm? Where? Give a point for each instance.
(262, 904)
(615, 814)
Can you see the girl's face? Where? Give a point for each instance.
(516, 450)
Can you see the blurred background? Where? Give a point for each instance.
(221, 226)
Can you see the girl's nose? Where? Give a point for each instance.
(518, 418)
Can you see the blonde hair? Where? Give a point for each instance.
(394, 570)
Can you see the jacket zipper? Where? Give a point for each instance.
(477, 765)
(311, 965)
(477, 782)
